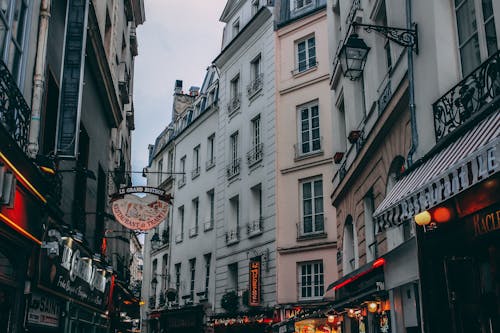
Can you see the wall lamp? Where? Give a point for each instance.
(352, 55)
(154, 280)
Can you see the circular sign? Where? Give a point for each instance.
(138, 213)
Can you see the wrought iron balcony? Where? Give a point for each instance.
(255, 154)
(208, 225)
(210, 163)
(182, 181)
(14, 111)
(234, 104)
(477, 93)
(233, 169)
(232, 236)
(193, 231)
(255, 86)
(254, 227)
(179, 237)
(195, 172)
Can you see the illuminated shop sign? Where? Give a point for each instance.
(43, 311)
(254, 294)
(140, 213)
(68, 269)
(485, 222)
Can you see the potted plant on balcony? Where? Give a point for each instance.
(229, 301)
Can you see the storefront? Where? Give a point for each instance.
(254, 320)
(453, 197)
(79, 281)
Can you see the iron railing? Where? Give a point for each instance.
(208, 225)
(233, 169)
(210, 163)
(255, 154)
(195, 172)
(14, 111)
(255, 227)
(256, 85)
(232, 236)
(234, 104)
(478, 92)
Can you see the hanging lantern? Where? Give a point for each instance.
(372, 307)
(423, 218)
(352, 57)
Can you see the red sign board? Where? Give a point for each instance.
(254, 294)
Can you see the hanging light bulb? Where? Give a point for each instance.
(372, 307)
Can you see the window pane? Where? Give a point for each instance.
(308, 225)
(470, 56)
(306, 188)
(18, 22)
(491, 37)
(319, 223)
(466, 21)
(318, 205)
(487, 9)
(307, 207)
(3, 33)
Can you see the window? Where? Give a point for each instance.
(211, 200)
(13, 26)
(255, 68)
(310, 140)
(234, 147)
(196, 162)
(311, 280)
(371, 241)
(255, 225)
(477, 37)
(164, 272)
(196, 209)
(255, 7)
(300, 4)
(236, 27)
(349, 247)
(155, 273)
(160, 171)
(182, 180)
(210, 151)
(233, 276)
(208, 258)
(235, 211)
(178, 279)
(170, 161)
(256, 131)
(180, 236)
(192, 268)
(312, 206)
(235, 87)
(342, 136)
(306, 54)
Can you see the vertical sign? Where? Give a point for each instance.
(254, 294)
(68, 120)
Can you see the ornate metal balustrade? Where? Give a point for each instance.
(477, 93)
(232, 236)
(234, 104)
(14, 111)
(255, 227)
(255, 86)
(233, 169)
(255, 154)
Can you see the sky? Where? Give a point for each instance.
(178, 41)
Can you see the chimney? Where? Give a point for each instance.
(194, 91)
(178, 87)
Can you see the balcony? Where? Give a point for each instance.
(233, 169)
(195, 172)
(208, 225)
(477, 94)
(316, 229)
(210, 163)
(179, 238)
(308, 150)
(255, 155)
(234, 105)
(232, 236)
(193, 232)
(254, 228)
(14, 111)
(255, 86)
(182, 181)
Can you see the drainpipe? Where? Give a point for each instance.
(39, 78)
(411, 90)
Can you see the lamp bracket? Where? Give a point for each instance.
(401, 36)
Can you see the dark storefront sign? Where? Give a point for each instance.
(183, 320)
(486, 222)
(67, 269)
(43, 311)
(254, 294)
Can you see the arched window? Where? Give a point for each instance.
(349, 247)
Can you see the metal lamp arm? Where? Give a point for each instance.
(401, 36)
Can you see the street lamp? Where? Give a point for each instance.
(154, 282)
(155, 240)
(352, 57)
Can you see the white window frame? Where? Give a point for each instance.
(256, 67)
(196, 158)
(256, 139)
(211, 149)
(160, 171)
(170, 161)
(308, 57)
(234, 153)
(235, 86)
(480, 32)
(196, 208)
(310, 128)
(315, 212)
(296, 5)
(316, 283)
(192, 277)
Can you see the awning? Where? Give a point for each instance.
(473, 157)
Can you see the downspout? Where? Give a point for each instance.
(39, 78)
(411, 90)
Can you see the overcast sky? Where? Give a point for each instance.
(179, 39)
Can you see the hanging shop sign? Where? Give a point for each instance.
(140, 213)
(463, 175)
(43, 310)
(67, 269)
(254, 294)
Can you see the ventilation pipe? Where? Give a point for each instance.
(39, 78)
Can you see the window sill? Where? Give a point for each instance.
(309, 155)
(312, 235)
(296, 73)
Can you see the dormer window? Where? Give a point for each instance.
(236, 27)
(255, 7)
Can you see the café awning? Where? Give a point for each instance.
(471, 158)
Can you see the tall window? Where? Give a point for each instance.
(342, 136)
(234, 147)
(13, 21)
(235, 211)
(311, 279)
(170, 161)
(210, 150)
(196, 208)
(178, 279)
(235, 87)
(164, 272)
(256, 131)
(255, 68)
(160, 171)
(211, 200)
(192, 268)
(349, 247)
(208, 258)
(306, 54)
(155, 273)
(310, 140)
(371, 241)
(312, 206)
(196, 161)
(183, 171)
(180, 236)
(233, 276)
(477, 37)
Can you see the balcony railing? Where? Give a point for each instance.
(193, 231)
(182, 181)
(210, 163)
(195, 172)
(255, 154)
(232, 236)
(208, 225)
(234, 104)
(255, 86)
(254, 227)
(233, 169)
(14, 111)
(476, 93)
(179, 237)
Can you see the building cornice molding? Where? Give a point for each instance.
(309, 247)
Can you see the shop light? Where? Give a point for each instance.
(423, 218)
(379, 262)
(23, 179)
(442, 215)
(372, 307)
(13, 225)
(331, 318)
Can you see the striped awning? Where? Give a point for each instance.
(473, 157)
